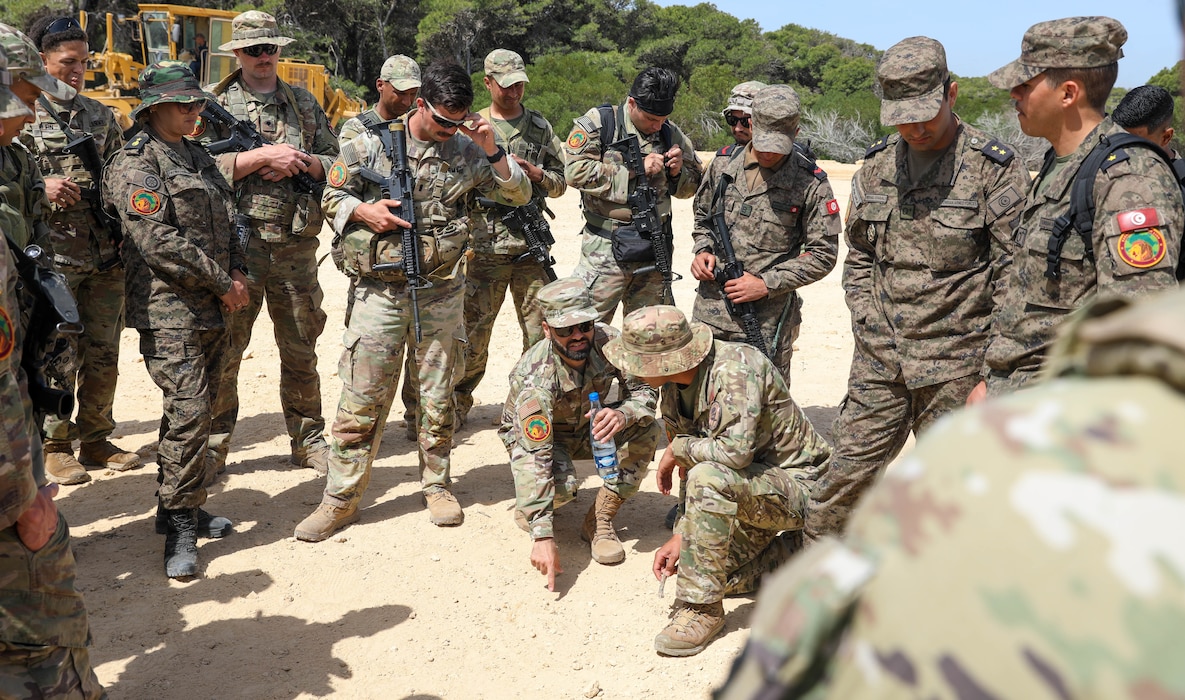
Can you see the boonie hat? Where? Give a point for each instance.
(254, 27)
(741, 99)
(566, 302)
(657, 341)
(168, 81)
(909, 80)
(1072, 42)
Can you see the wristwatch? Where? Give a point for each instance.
(498, 155)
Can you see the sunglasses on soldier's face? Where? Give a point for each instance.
(257, 49)
(567, 330)
(733, 120)
(445, 121)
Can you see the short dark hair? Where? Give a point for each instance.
(1096, 82)
(447, 84)
(655, 85)
(1148, 106)
(45, 42)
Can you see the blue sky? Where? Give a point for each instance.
(979, 37)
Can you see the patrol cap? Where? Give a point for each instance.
(909, 80)
(657, 341)
(25, 62)
(741, 99)
(401, 72)
(775, 119)
(506, 67)
(566, 302)
(168, 81)
(10, 104)
(1073, 42)
(254, 27)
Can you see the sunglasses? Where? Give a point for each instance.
(733, 120)
(257, 49)
(191, 107)
(62, 24)
(567, 330)
(445, 121)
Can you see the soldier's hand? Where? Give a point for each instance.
(978, 394)
(378, 217)
(62, 191)
(481, 131)
(534, 172)
(674, 161)
(703, 266)
(606, 423)
(38, 523)
(545, 556)
(748, 287)
(279, 160)
(666, 471)
(236, 298)
(666, 559)
(654, 163)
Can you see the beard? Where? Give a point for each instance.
(577, 355)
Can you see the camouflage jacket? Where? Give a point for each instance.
(786, 231)
(178, 223)
(289, 115)
(80, 236)
(1027, 548)
(530, 137)
(23, 190)
(605, 182)
(925, 260)
(354, 126)
(743, 414)
(1125, 258)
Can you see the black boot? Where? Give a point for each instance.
(181, 556)
(208, 526)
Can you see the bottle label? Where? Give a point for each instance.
(607, 466)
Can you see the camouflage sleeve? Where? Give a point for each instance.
(18, 483)
(531, 459)
(552, 161)
(691, 173)
(1005, 202)
(585, 169)
(349, 129)
(113, 135)
(702, 207)
(857, 269)
(733, 420)
(638, 401)
(344, 186)
(515, 190)
(821, 226)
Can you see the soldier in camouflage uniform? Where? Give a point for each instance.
(782, 219)
(284, 223)
(738, 114)
(1138, 215)
(447, 166)
(745, 451)
(605, 183)
(85, 250)
(1027, 548)
(185, 274)
(44, 630)
(500, 259)
(929, 237)
(545, 426)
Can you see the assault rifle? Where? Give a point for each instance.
(728, 267)
(399, 185)
(245, 137)
(528, 221)
(643, 202)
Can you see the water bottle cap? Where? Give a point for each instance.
(594, 396)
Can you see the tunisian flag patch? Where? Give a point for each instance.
(832, 207)
(1137, 219)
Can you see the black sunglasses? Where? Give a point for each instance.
(444, 121)
(567, 330)
(733, 120)
(257, 49)
(62, 24)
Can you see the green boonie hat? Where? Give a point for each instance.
(909, 80)
(566, 303)
(10, 104)
(1073, 42)
(506, 67)
(741, 99)
(401, 72)
(657, 341)
(775, 119)
(168, 81)
(254, 27)
(25, 62)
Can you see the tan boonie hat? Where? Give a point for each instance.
(401, 73)
(909, 80)
(775, 119)
(657, 341)
(566, 302)
(1073, 42)
(24, 61)
(741, 99)
(254, 27)
(10, 104)
(506, 67)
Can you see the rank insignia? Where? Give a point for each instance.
(7, 335)
(337, 175)
(577, 140)
(537, 428)
(832, 207)
(199, 128)
(145, 202)
(1142, 249)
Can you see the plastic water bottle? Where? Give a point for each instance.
(604, 451)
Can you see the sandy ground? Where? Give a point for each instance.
(394, 607)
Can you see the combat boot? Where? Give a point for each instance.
(315, 458)
(211, 527)
(331, 515)
(104, 454)
(747, 579)
(692, 626)
(181, 555)
(443, 509)
(60, 465)
(598, 528)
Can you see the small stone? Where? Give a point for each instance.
(341, 539)
(576, 666)
(593, 690)
(435, 557)
(411, 615)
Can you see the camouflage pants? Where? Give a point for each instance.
(189, 366)
(92, 367)
(1004, 384)
(873, 424)
(380, 326)
(489, 276)
(732, 517)
(610, 283)
(285, 274)
(37, 673)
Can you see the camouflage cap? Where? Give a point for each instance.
(775, 119)
(1073, 42)
(254, 27)
(168, 81)
(566, 302)
(401, 72)
(909, 80)
(506, 67)
(657, 341)
(741, 99)
(10, 104)
(24, 61)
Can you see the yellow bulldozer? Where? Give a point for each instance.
(160, 32)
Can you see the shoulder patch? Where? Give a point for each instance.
(819, 173)
(1138, 219)
(998, 151)
(337, 175)
(145, 202)
(536, 428)
(578, 139)
(715, 412)
(7, 335)
(831, 206)
(1142, 249)
(585, 122)
(349, 154)
(1000, 203)
(199, 128)
(529, 407)
(137, 143)
(877, 146)
(727, 150)
(1117, 156)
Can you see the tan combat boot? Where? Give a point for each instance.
(598, 528)
(60, 465)
(104, 454)
(315, 458)
(331, 515)
(443, 509)
(692, 626)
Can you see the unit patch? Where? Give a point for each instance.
(832, 207)
(337, 175)
(537, 428)
(199, 128)
(145, 202)
(7, 335)
(578, 139)
(714, 414)
(1142, 249)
